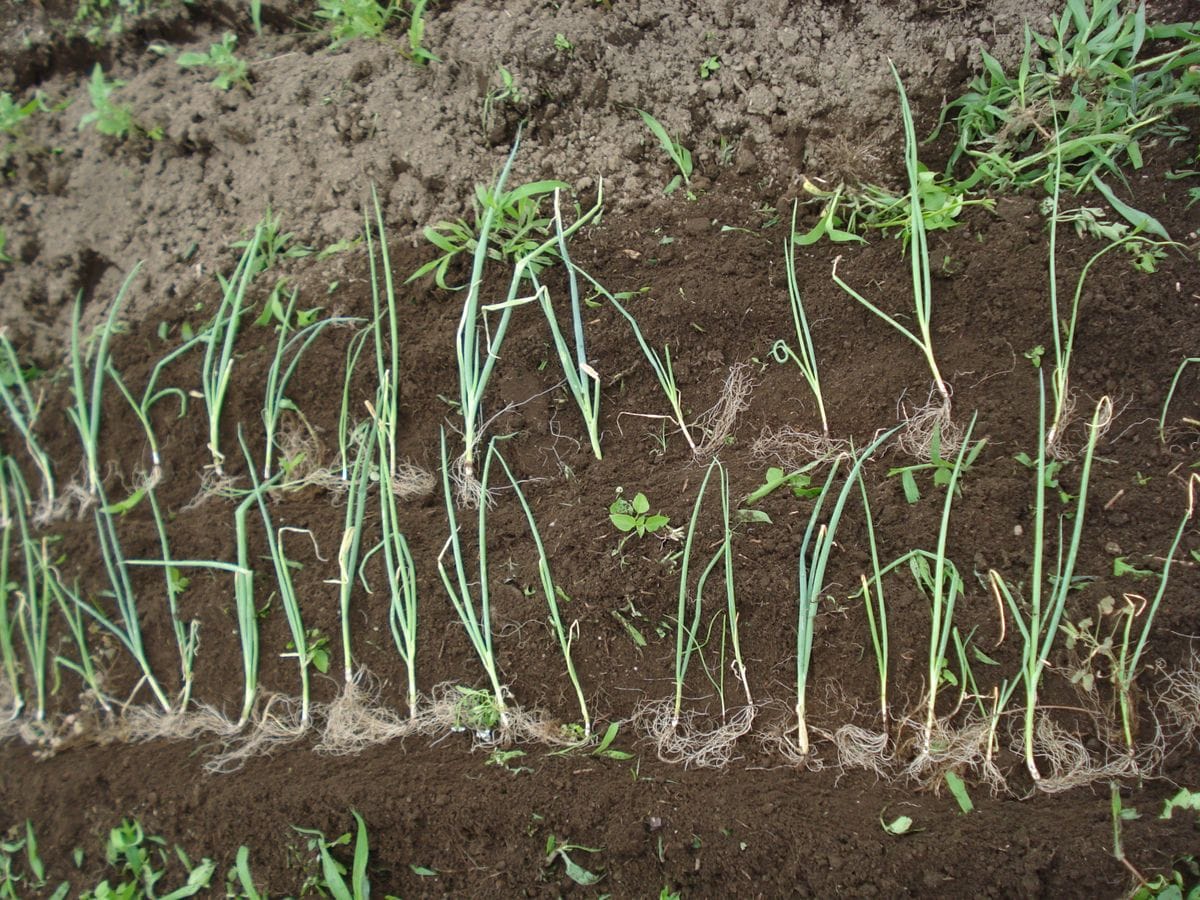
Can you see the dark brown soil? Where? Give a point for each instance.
(717, 296)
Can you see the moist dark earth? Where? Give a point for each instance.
(803, 90)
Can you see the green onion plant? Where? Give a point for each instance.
(566, 636)
(663, 372)
(1162, 419)
(219, 339)
(398, 561)
(583, 380)
(9, 499)
(302, 649)
(921, 281)
(806, 358)
(1038, 623)
(475, 614)
(1126, 670)
(815, 550)
(87, 400)
(23, 411)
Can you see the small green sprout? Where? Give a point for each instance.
(899, 826)
(943, 469)
(679, 154)
(1034, 355)
(562, 44)
(417, 53)
(507, 92)
(559, 850)
(633, 516)
(353, 19)
(12, 114)
(799, 481)
(230, 70)
(709, 67)
(109, 117)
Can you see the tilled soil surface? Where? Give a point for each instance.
(801, 90)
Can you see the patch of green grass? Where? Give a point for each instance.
(1096, 91)
(518, 226)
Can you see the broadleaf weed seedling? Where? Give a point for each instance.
(633, 516)
(353, 19)
(107, 116)
(517, 229)
(220, 57)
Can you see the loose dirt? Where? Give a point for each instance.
(801, 91)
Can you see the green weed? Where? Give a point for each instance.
(1102, 85)
(220, 57)
(627, 517)
(417, 52)
(517, 228)
(353, 19)
(679, 154)
(107, 116)
(13, 114)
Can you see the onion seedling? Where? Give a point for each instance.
(806, 359)
(220, 337)
(815, 550)
(583, 380)
(187, 639)
(1126, 670)
(387, 369)
(876, 608)
(8, 513)
(126, 626)
(398, 561)
(663, 371)
(475, 615)
(1064, 332)
(922, 284)
(348, 550)
(345, 432)
(34, 602)
(23, 411)
(87, 401)
(73, 615)
(1039, 626)
(304, 651)
(278, 376)
(565, 635)
(243, 594)
(944, 589)
(672, 729)
(476, 360)
(1162, 419)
